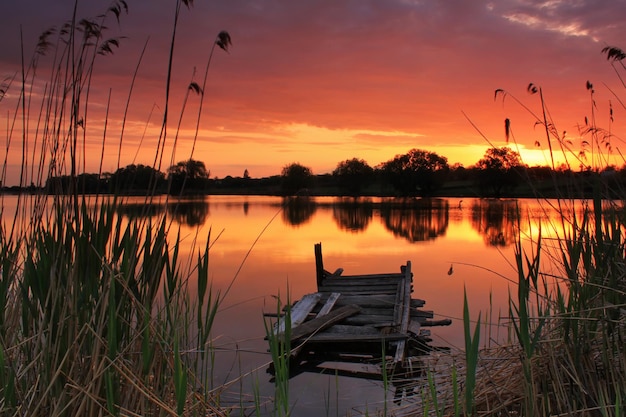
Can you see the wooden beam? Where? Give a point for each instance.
(330, 303)
(320, 323)
(299, 312)
(319, 264)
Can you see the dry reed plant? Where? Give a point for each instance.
(95, 312)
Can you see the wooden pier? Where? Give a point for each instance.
(364, 319)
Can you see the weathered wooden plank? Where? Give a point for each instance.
(442, 322)
(370, 276)
(333, 337)
(359, 289)
(351, 280)
(378, 320)
(397, 310)
(319, 264)
(404, 313)
(426, 314)
(365, 301)
(352, 330)
(378, 311)
(299, 311)
(350, 284)
(416, 303)
(362, 291)
(414, 327)
(406, 302)
(329, 304)
(320, 323)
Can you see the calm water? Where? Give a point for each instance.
(475, 237)
(263, 247)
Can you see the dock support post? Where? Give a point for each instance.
(319, 264)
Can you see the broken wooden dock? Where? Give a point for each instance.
(358, 319)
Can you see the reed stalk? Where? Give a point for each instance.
(95, 312)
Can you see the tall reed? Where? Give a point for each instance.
(568, 317)
(95, 312)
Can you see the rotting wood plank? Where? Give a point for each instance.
(442, 322)
(378, 320)
(363, 291)
(359, 283)
(329, 304)
(375, 276)
(426, 314)
(333, 337)
(405, 314)
(352, 330)
(322, 322)
(378, 311)
(416, 303)
(299, 311)
(365, 301)
(351, 280)
(414, 327)
(359, 289)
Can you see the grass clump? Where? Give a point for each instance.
(567, 319)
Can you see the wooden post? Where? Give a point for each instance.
(319, 264)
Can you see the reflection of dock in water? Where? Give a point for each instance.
(359, 325)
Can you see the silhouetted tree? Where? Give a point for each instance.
(135, 178)
(294, 178)
(353, 175)
(499, 171)
(418, 172)
(190, 176)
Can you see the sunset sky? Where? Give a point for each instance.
(319, 82)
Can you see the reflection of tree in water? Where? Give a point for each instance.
(496, 221)
(189, 212)
(352, 214)
(140, 210)
(298, 210)
(418, 220)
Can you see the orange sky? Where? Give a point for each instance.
(318, 82)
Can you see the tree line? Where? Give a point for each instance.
(418, 173)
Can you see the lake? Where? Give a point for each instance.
(263, 248)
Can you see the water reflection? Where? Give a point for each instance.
(194, 212)
(495, 220)
(417, 220)
(190, 212)
(298, 210)
(353, 215)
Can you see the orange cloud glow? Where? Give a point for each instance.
(321, 82)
